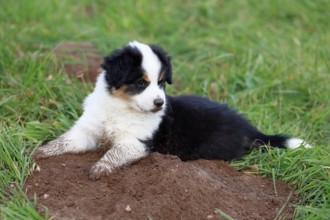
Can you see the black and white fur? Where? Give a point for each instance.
(130, 111)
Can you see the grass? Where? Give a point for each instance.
(269, 59)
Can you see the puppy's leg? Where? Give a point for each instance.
(83, 136)
(123, 152)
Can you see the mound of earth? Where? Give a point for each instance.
(156, 187)
(79, 59)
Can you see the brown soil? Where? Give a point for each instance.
(80, 60)
(157, 187)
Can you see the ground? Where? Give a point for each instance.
(79, 59)
(157, 187)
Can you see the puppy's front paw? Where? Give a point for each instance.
(52, 148)
(99, 169)
(42, 152)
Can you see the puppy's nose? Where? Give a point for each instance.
(158, 102)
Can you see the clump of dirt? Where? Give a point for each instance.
(80, 60)
(157, 187)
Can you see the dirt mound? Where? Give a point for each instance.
(157, 187)
(79, 59)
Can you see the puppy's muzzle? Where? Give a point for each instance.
(158, 102)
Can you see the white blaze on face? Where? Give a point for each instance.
(150, 62)
(152, 67)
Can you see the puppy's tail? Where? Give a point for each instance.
(280, 141)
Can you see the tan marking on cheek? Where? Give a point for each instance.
(120, 93)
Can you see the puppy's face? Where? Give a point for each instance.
(137, 75)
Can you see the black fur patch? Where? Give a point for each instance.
(196, 127)
(137, 87)
(123, 66)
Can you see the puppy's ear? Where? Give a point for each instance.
(119, 64)
(165, 60)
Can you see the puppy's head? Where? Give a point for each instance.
(137, 74)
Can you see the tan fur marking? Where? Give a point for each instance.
(145, 77)
(161, 76)
(120, 93)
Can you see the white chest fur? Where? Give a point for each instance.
(131, 125)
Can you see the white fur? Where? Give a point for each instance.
(294, 143)
(150, 63)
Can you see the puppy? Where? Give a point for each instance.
(130, 110)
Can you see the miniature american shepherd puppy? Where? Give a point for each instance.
(130, 111)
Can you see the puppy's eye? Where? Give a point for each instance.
(141, 83)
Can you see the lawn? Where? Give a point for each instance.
(269, 59)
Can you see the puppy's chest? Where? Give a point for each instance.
(139, 126)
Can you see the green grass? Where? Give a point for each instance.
(269, 59)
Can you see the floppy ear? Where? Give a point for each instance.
(165, 60)
(119, 64)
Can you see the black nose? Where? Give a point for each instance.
(159, 102)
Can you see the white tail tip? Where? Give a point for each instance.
(294, 143)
